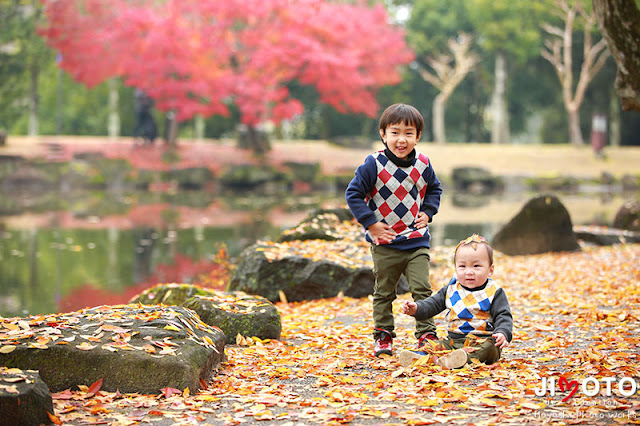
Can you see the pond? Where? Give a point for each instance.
(59, 254)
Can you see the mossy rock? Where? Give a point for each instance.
(131, 348)
(24, 398)
(191, 178)
(170, 294)
(628, 216)
(321, 224)
(238, 313)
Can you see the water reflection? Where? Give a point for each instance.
(102, 249)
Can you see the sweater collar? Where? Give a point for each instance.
(409, 161)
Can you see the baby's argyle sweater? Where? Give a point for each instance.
(481, 311)
(469, 311)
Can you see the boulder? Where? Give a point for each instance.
(298, 277)
(475, 180)
(247, 176)
(238, 313)
(24, 398)
(132, 348)
(543, 225)
(628, 216)
(325, 224)
(170, 294)
(234, 312)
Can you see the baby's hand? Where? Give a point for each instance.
(501, 340)
(408, 307)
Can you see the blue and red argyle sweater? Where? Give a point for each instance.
(394, 194)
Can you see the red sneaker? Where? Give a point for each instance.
(429, 335)
(384, 344)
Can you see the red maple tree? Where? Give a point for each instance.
(200, 56)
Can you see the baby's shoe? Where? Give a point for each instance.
(406, 358)
(454, 359)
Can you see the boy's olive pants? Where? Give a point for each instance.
(389, 264)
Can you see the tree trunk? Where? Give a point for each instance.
(575, 134)
(619, 23)
(34, 70)
(254, 139)
(438, 119)
(114, 115)
(172, 131)
(614, 121)
(500, 115)
(199, 127)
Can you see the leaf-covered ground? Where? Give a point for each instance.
(576, 316)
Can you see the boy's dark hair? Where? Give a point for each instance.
(402, 113)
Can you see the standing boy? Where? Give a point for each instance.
(394, 195)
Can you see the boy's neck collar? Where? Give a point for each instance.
(411, 158)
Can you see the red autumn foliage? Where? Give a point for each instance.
(199, 56)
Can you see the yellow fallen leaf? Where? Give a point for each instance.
(7, 349)
(171, 327)
(85, 346)
(398, 372)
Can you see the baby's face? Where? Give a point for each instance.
(400, 138)
(472, 265)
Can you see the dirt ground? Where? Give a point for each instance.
(503, 160)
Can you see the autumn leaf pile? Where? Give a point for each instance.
(575, 316)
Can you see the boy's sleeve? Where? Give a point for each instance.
(359, 187)
(431, 306)
(431, 202)
(501, 313)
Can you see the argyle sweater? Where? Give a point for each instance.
(383, 191)
(481, 311)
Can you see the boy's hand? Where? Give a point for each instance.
(381, 233)
(408, 307)
(422, 220)
(501, 340)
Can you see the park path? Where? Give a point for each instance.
(501, 160)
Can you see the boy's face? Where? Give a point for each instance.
(472, 265)
(400, 138)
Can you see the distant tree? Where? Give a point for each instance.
(559, 52)
(509, 31)
(619, 23)
(22, 53)
(200, 56)
(446, 77)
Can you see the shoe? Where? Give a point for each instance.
(429, 335)
(454, 359)
(406, 358)
(383, 344)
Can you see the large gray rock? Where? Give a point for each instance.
(628, 216)
(24, 398)
(299, 278)
(543, 225)
(132, 348)
(238, 313)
